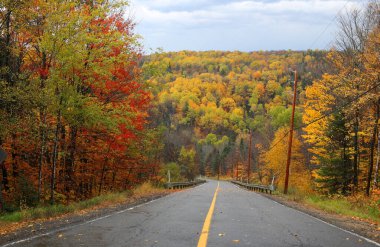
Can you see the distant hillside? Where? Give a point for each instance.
(205, 96)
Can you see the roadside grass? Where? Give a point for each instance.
(364, 209)
(46, 212)
(358, 207)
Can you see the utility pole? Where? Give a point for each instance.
(237, 171)
(291, 134)
(249, 156)
(218, 170)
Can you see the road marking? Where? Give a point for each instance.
(93, 220)
(327, 223)
(84, 223)
(206, 226)
(315, 218)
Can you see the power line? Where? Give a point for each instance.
(341, 107)
(286, 134)
(328, 25)
(278, 142)
(327, 114)
(332, 89)
(313, 43)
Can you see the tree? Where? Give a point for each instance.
(73, 122)
(275, 162)
(336, 172)
(186, 159)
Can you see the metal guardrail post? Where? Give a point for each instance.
(255, 187)
(181, 185)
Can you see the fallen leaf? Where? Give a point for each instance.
(221, 234)
(236, 241)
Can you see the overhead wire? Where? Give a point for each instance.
(328, 25)
(337, 108)
(324, 115)
(328, 113)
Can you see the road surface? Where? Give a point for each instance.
(239, 218)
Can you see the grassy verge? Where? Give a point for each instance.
(355, 207)
(45, 212)
(365, 209)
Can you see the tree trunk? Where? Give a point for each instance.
(42, 127)
(42, 151)
(14, 157)
(113, 180)
(102, 176)
(372, 150)
(375, 185)
(356, 151)
(1, 190)
(55, 155)
(345, 161)
(249, 156)
(4, 177)
(70, 161)
(62, 161)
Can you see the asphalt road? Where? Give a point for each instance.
(240, 218)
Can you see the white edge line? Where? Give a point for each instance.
(311, 216)
(90, 221)
(81, 224)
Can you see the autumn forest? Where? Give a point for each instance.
(85, 111)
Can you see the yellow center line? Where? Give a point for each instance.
(206, 226)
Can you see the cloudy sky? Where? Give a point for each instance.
(245, 25)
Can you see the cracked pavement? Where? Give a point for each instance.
(241, 218)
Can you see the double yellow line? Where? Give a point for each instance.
(206, 226)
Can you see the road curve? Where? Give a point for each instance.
(240, 218)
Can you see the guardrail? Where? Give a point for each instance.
(255, 187)
(181, 185)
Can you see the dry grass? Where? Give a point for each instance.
(147, 189)
(12, 221)
(358, 207)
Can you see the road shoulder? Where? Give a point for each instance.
(39, 227)
(364, 228)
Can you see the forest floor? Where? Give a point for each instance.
(363, 227)
(10, 231)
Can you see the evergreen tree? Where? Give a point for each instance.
(336, 172)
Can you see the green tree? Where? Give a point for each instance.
(186, 160)
(336, 172)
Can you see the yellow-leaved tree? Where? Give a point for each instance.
(275, 162)
(319, 101)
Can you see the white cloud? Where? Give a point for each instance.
(315, 6)
(182, 20)
(152, 16)
(159, 4)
